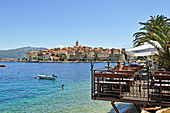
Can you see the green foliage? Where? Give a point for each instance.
(96, 55)
(85, 56)
(65, 57)
(61, 59)
(40, 54)
(40, 58)
(57, 55)
(103, 59)
(23, 58)
(156, 29)
(52, 54)
(89, 59)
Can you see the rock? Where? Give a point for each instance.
(124, 108)
(143, 111)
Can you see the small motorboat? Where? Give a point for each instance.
(2, 65)
(47, 77)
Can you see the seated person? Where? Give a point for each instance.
(162, 69)
(134, 64)
(118, 66)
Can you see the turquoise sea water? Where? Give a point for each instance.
(21, 93)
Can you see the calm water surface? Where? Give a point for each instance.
(21, 93)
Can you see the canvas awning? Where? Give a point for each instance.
(143, 50)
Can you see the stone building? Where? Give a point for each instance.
(78, 52)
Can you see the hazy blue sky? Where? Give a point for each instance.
(52, 23)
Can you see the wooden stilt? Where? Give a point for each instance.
(112, 102)
(98, 86)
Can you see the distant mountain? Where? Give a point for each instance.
(19, 52)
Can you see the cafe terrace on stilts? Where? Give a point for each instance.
(133, 84)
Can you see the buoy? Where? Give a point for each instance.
(35, 77)
(62, 86)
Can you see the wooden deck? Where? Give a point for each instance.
(118, 87)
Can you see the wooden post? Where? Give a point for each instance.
(160, 81)
(92, 77)
(120, 88)
(98, 86)
(108, 63)
(148, 76)
(94, 84)
(112, 102)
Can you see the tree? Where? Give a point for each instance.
(40, 54)
(52, 54)
(65, 56)
(40, 58)
(23, 58)
(156, 29)
(57, 55)
(34, 58)
(96, 56)
(85, 56)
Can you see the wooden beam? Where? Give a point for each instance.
(112, 102)
(130, 101)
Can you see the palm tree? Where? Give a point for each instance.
(156, 29)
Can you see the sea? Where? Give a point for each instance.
(21, 90)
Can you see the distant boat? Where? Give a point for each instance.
(2, 65)
(110, 66)
(47, 77)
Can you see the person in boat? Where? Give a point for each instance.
(54, 75)
(62, 86)
(118, 66)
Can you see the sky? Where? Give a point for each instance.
(59, 23)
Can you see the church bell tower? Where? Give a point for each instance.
(77, 43)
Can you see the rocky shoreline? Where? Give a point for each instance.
(131, 108)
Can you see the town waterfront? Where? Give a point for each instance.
(20, 92)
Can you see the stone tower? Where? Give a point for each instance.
(77, 43)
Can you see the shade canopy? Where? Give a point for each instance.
(144, 50)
